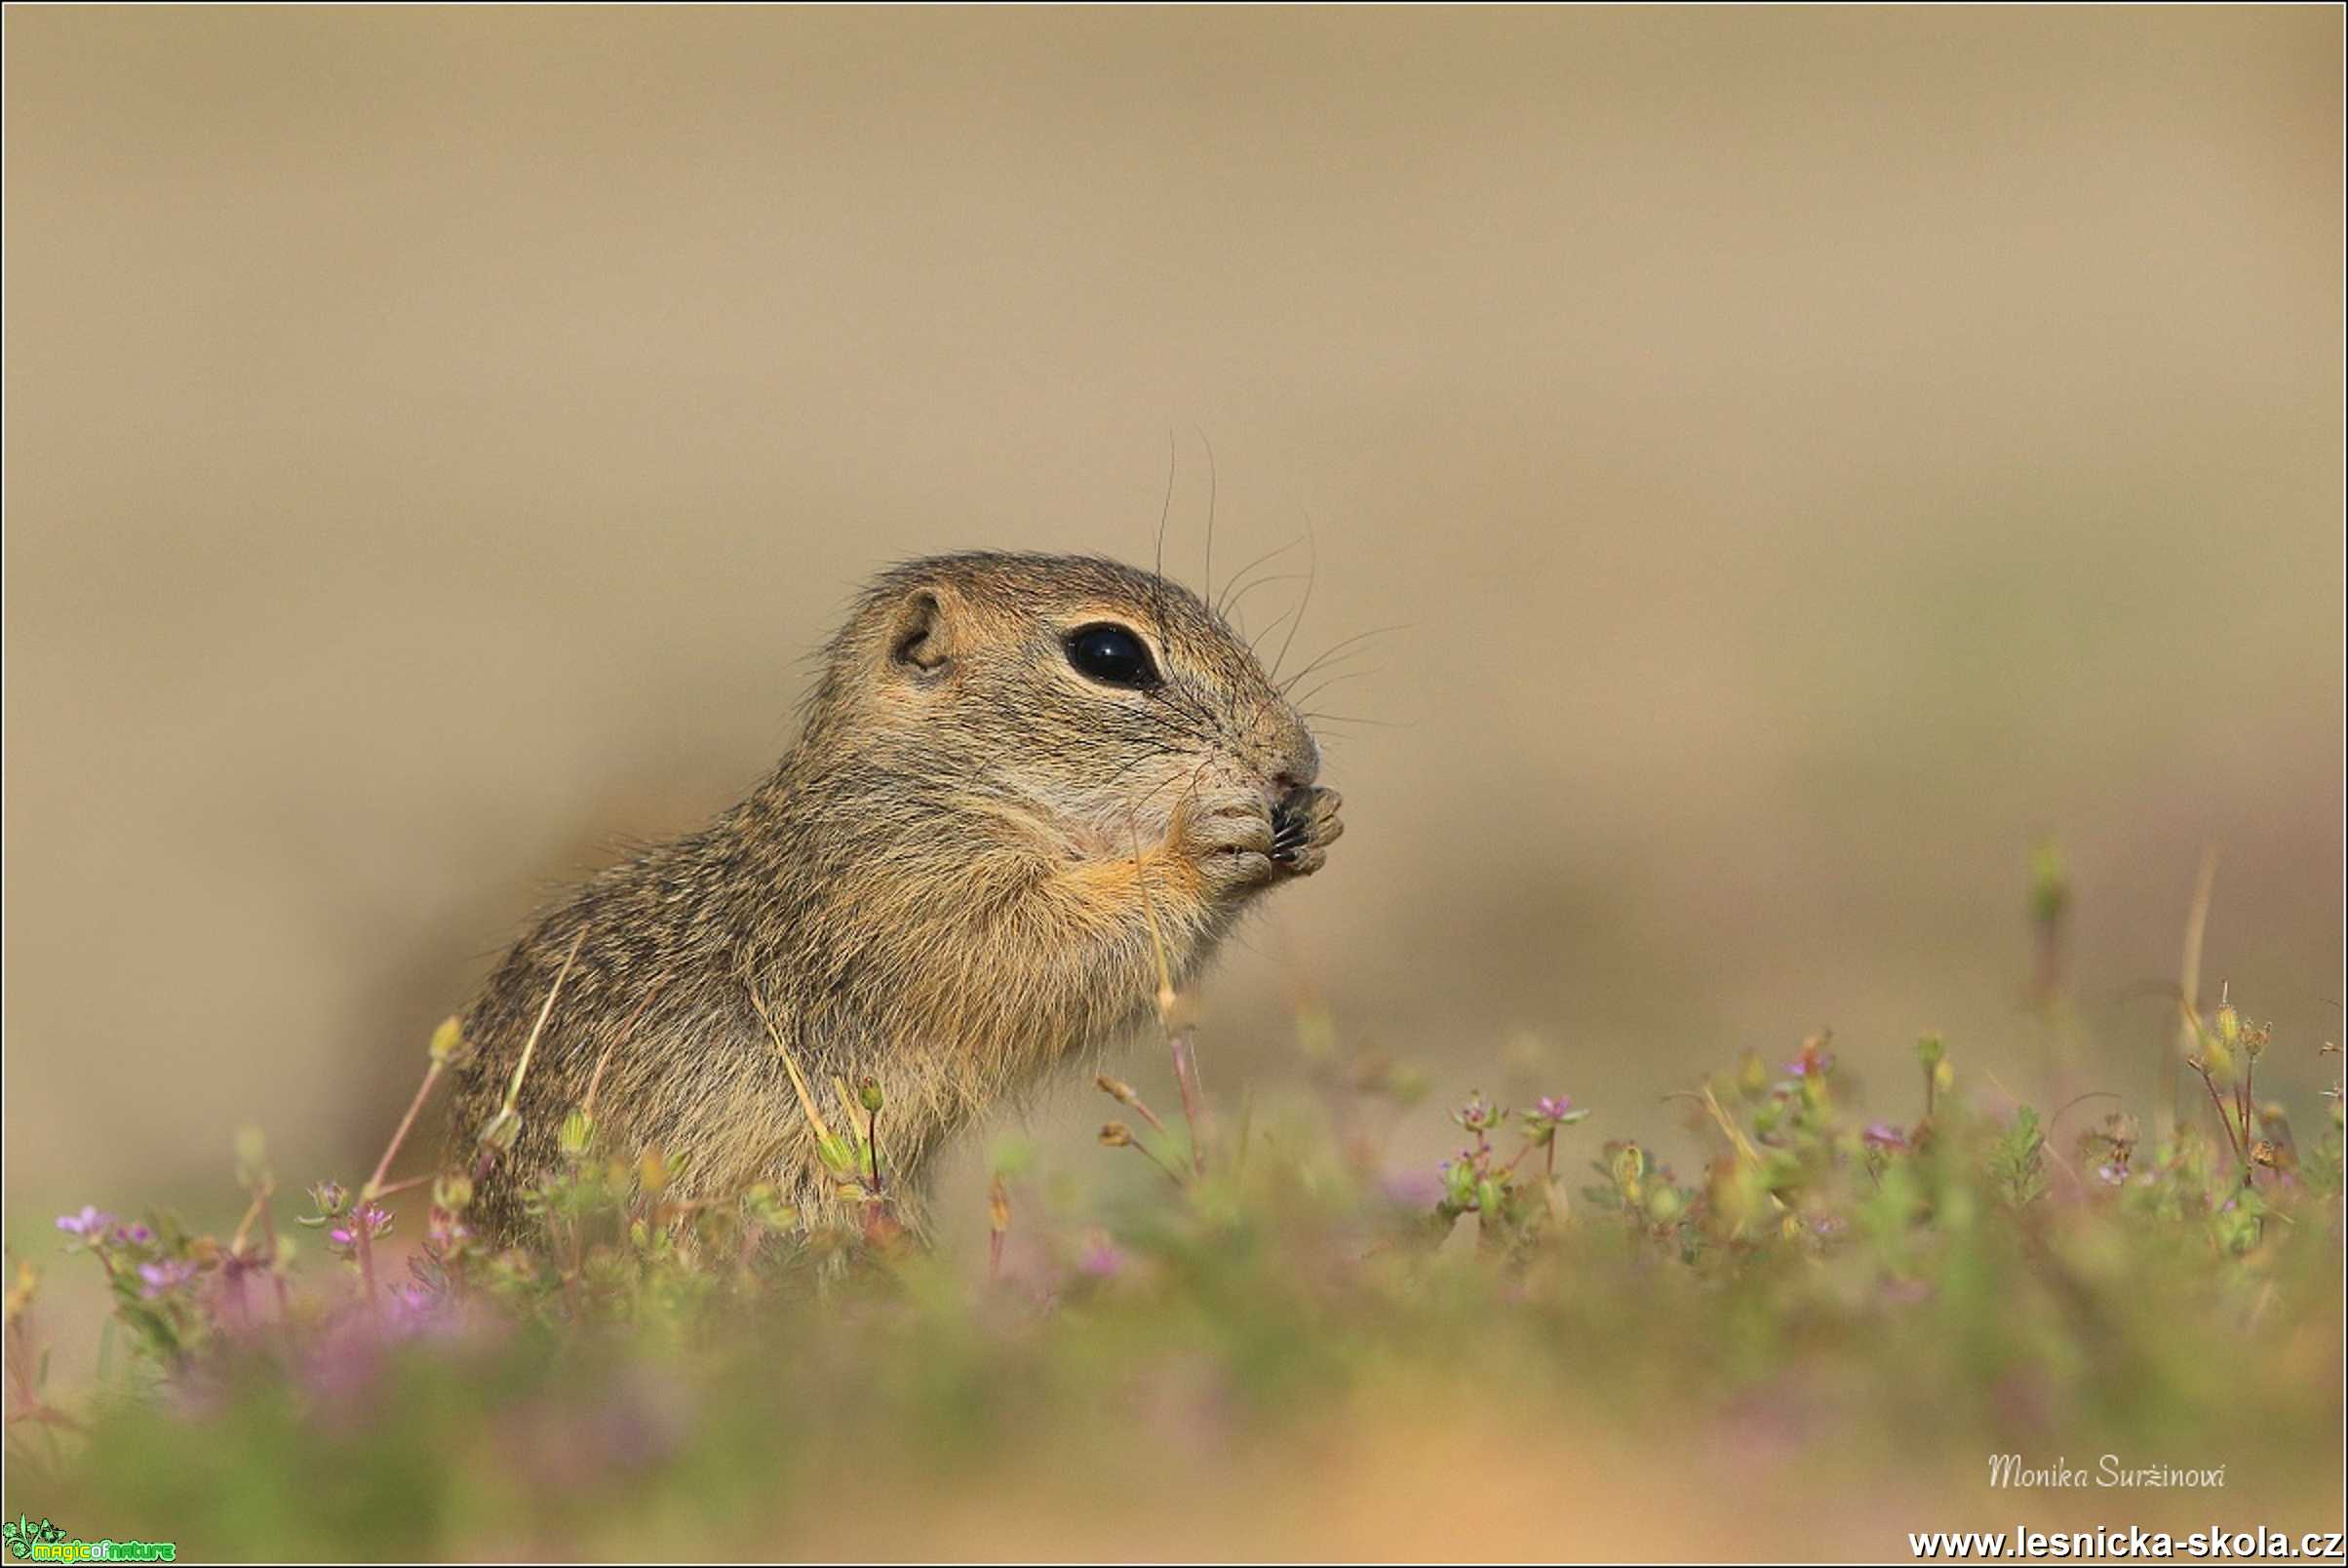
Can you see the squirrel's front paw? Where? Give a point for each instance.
(1303, 826)
(1228, 840)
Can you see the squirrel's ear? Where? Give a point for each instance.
(926, 632)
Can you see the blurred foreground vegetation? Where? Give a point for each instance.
(1278, 1344)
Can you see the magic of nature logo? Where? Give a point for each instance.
(42, 1541)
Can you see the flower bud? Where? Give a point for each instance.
(448, 1042)
(20, 1291)
(579, 1131)
(765, 1205)
(1628, 1166)
(504, 1128)
(998, 1205)
(1458, 1184)
(2217, 1058)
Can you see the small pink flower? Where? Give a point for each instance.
(168, 1274)
(372, 1218)
(1478, 1116)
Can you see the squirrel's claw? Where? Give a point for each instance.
(1304, 825)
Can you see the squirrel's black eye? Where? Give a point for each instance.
(1112, 655)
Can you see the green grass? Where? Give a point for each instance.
(1274, 1344)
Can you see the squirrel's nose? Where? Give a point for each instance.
(1300, 765)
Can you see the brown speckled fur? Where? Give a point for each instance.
(948, 884)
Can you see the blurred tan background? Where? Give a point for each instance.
(1816, 452)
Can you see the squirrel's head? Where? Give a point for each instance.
(1077, 693)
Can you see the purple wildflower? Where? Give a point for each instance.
(1101, 1259)
(375, 1218)
(167, 1273)
(91, 1224)
(1477, 1115)
(1882, 1135)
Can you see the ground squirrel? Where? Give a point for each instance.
(1019, 778)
